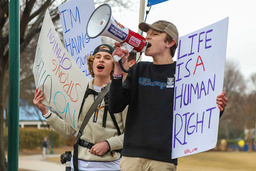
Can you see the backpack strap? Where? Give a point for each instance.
(111, 114)
(85, 121)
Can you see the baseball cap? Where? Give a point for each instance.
(163, 26)
(97, 49)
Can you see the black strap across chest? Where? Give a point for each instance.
(106, 108)
(104, 94)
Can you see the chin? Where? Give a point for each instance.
(148, 54)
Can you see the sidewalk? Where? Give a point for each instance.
(38, 163)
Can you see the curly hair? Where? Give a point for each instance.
(90, 60)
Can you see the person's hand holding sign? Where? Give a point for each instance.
(39, 96)
(221, 101)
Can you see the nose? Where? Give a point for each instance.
(101, 59)
(148, 37)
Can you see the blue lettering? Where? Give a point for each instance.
(207, 40)
(200, 40)
(66, 108)
(189, 124)
(179, 55)
(75, 17)
(147, 82)
(176, 133)
(64, 20)
(178, 71)
(192, 40)
(185, 93)
(186, 66)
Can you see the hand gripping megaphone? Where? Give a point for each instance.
(101, 23)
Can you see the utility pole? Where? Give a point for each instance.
(141, 13)
(14, 88)
(141, 19)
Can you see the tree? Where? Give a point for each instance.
(31, 13)
(27, 80)
(250, 117)
(30, 24)
(234, 85)
(250, 112)
(253, 79)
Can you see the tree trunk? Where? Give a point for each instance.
(3, 163)
(249, 141)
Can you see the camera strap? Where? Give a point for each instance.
(85, 121)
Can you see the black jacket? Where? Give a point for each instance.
(148, 90)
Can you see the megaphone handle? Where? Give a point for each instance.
(125, 46)
(116, 58)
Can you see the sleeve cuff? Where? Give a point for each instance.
(108, 145)
(47, 115)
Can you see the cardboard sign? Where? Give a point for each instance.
(57, 74)
(74, 15)
(198, 81)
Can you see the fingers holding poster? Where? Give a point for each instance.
(57, 74)
(199, 80)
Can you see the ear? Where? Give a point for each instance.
(131, 63)
(170, 44)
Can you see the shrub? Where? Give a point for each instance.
(31, 138)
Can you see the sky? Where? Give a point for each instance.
(191, 15)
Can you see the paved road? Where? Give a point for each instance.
(38, 163)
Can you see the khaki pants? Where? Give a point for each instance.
(142, 164)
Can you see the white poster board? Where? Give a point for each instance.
(57, 74)
(198, 81)
(74, 15)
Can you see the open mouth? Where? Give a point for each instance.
(100, 66)
(149, 45)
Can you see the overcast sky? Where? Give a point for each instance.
(191, 15)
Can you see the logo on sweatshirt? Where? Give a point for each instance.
(147, 82)
(170, 83)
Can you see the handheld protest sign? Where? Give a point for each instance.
(74, 16)
(57, 74)
(198, 81)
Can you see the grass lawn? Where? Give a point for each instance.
(218, 161)
(206, 161)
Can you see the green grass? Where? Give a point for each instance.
(218, 161)
(206, 161)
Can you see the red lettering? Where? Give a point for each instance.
(55, 64)
(198, 64)
(190, 151)
(67, 85)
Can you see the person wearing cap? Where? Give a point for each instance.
(100, 144)
(149, 92)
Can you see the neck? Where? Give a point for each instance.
(101, 81)
(163, 60)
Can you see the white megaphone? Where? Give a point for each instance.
(101, 23)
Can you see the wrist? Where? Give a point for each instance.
(45, 111)
(118, 76)
(108, 145)
(48, 114)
